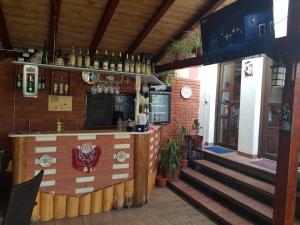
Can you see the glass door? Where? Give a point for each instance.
(228, 106)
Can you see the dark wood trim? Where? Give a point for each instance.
(162, 9)
(53, 24)
(287, 162)
(180, 64)
(3, 31)
(193, 22)
(103, 24)
(4, 54)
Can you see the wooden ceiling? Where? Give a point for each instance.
(114, 25)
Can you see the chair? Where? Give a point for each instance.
(21, 201)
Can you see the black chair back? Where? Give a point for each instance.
(21, 201)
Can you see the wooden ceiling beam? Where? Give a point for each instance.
(180, 64)
(4, 32)
(103, 24)
(162, 9)
(53, 24)
(195, 21)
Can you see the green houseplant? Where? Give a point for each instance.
(161, 178)
(172, 160)
(194, 40)
(183, 139)
(180, 49)
(197, 138)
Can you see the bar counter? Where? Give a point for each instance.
(120, 171)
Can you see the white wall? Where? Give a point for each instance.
(250, 107)
(208, 91)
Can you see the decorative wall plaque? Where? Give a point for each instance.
(45, 161)
(85, 157)
(121, 156)
(186, 92)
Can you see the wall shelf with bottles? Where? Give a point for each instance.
(147, 78)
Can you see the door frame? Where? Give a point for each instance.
(219, 82)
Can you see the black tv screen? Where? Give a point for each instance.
(241, 29)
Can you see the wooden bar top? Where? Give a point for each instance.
(79, 132)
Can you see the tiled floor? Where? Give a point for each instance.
(164, 208)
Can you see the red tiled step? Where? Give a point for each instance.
(214, 208)
(254, 184)
(258, 208)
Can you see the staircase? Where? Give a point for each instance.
(231, 193)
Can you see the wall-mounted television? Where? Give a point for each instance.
(241, 29)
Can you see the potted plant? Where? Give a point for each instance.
(161, 178)
(197, 138)
(180, 49)
(172, 160)
(194, 40)
(184, 139)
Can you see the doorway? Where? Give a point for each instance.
(228, 105)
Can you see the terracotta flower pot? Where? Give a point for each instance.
(184, 163)
(161, 181)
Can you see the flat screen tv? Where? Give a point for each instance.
(241, 29)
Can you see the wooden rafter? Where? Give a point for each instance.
(3, 31)
(195, 21)
(103, 24)
(162, 9)
(180, 64)
(289, 142)
(53, 24)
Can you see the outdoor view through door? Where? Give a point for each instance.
(228, 106)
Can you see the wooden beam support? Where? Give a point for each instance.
(180, 64)
(162, 9)
(103, 24)
(4, 54)
(210, 7)
(53, 24)
(289, 142)
(3, 31)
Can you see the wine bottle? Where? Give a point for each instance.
(40, 83)
(45, 54)
(127, 64)
(43, 83)
(19, 81)
(96, 60)
(61, 86)
(132, 65)
(87, 59)
(59, 57)
(72, 58)
(79, 59)
(66, 86)
(148, 67)
(112, 64)
(153, 68)
(119, 63)
(30, 84)
(138, 65)
(105, 61)
(143, 66)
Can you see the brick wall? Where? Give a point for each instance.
(62, 178)
(36, 109)
(182, 110)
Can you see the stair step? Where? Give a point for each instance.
(214, 208)
(232, 175)
(258, 208)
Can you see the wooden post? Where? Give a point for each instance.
(72, 206)
(119, 195)
(85, 204)
(46, 206)
(137, 97)
(107, 198)
(287, 164)
(141, 164)
(128, 192)
(60, 206)
(19, 150)
(96, 206)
